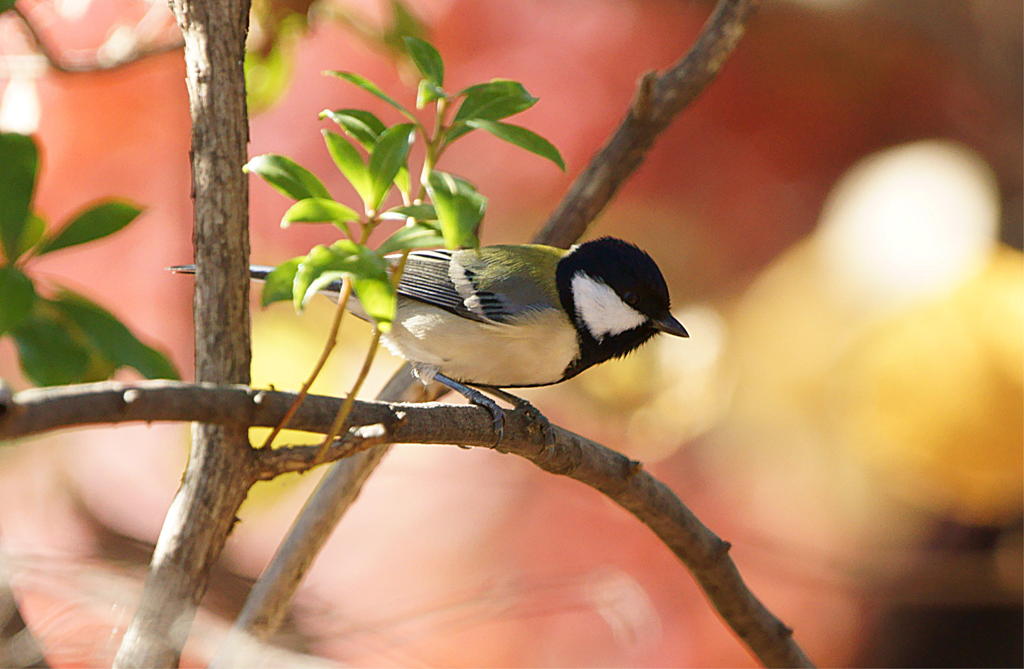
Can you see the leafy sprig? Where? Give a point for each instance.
(442, 209)
(373, 157)
(64, 338)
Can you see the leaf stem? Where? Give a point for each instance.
(332, 340)
(346, 406)
(435, 146)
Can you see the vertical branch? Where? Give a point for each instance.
(220, 468)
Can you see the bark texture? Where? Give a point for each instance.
(220, 468)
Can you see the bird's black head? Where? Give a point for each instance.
(616, 297)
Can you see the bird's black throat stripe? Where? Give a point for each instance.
(585, 258)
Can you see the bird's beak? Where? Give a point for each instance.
(669, 325)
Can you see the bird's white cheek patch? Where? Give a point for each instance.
(601, 310)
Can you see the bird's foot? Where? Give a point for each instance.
(479, 399)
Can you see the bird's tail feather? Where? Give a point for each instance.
(260, 272)
(257, 272)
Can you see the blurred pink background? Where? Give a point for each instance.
(839, 219)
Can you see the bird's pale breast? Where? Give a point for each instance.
(532, 350)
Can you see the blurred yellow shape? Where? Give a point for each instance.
(934, 397)
(890, 341)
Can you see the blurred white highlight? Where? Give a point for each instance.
(19, 107)
(909, 222)
(625, 606)
(72, 10)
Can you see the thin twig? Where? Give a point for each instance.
(94, 64)
(346, 406)
(296, 459)
(657, 101)
(559, 452)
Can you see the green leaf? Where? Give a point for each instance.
(320, 259)
(5, 5)
(277, 285)
(319, 210)
(455, 131)
(95, 222)
(17, 295)
(416, 236)
(33, 231)
(112, 339)
(521, 137)
(427, 92)
(358, 124)
(370, 87)
(287, 176)
(342, 257)
(322, 281)
(387, 159)
(327, 264)
(402, 180)
(494, 100)
(460, 207)
(49, 355)
(351, 164)
(378, 298)
(19, 163)
(427, 59)
(421, 212)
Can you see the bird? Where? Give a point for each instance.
(519, 315)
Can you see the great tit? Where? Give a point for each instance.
(513, 316)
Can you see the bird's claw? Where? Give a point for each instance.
(497, 414)
(497, 421)
(479, 399)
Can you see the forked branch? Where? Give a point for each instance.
(556, 450)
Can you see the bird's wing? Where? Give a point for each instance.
(487, 284)
(426, 279)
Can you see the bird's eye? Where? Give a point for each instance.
(630, 298)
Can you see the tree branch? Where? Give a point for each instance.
(96, 63)
(557, 451)
(220, 468)
(657, 101)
